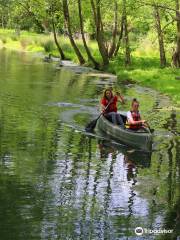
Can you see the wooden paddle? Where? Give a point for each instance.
(151, 130)
(90, 126)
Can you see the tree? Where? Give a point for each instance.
(172, 8)
(120, 36)
(56, 40)
(52, 8)
(160, 36)
(70, 35)
(5, 8)
(32, 9)
(114, 33)
(96, 8)
(176, 54)
(126, 36)
(91, 58)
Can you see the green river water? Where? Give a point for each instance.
(57, 182)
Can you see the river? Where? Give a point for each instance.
(57, 182)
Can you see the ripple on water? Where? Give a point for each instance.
(63, 184)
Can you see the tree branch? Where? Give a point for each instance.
(167, 25)
(157, 5)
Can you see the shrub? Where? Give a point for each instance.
(25, 42)
(48, 45)
(37, 41)
(14, 37)
(4, 40)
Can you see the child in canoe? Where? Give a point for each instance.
(134, 120)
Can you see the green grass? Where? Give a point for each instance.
(145, 69)
(147, 72)
(33, 42)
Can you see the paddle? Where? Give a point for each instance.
(148, 126)
(90, 126)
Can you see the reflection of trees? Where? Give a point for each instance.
(85, 196)
(54, 196)
(79, 199)
(172, 213)
(170, 174)
(107, 197)
(93, 206)
(73, 189)
(130, 161)
(91, 202)
(19, 208)
(21, 203)
(172, 219)
(131, 176)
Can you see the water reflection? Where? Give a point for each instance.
(95, 193)
(57, 182)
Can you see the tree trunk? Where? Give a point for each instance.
(56, 41)
(160, 37)
(114, 34)
(120, 36)
(90, 57)
(99, 32)
(176, 54)
(100, 37)
(126, 37)
(68, 25)
(2, 21)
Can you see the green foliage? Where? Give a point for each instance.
(3, 39)
(14, 37)
(48, 45)
(146, 71)
(36, 17)
(25, 42)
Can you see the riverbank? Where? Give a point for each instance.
(146, 72)
(143, 70)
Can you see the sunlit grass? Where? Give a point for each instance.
(13, 45)
(147, 72)
(145, 68)
(45, 43)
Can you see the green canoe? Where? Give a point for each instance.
(141, 140)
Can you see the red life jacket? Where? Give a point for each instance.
(113, 105)
(136, 117)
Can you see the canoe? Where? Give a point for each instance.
(141, 140)
(137, 156)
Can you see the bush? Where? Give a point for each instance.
(25, 42)
(4, 40)
(14, 37)
(48, 45)
(37, 41)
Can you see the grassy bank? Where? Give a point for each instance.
(144, 70)
(33, 42)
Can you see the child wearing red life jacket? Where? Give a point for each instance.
(111, 112)
(133, 117)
